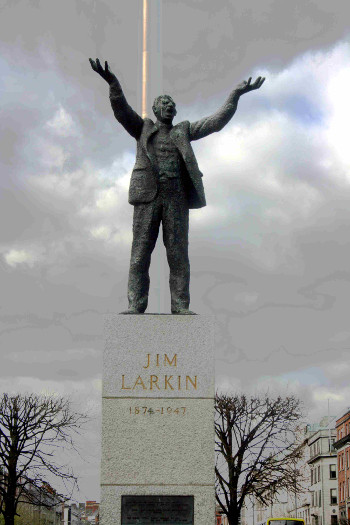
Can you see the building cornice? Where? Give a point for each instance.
(320, 456)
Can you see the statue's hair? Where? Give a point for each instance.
(158, 99)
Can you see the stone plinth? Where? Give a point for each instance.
(158, 412)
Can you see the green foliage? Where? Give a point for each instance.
(30, 515)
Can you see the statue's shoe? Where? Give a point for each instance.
(132, 311)
(183, 311)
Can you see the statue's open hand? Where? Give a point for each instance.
(105, 73)
(246, 85)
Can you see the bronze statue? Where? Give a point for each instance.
(165, 183)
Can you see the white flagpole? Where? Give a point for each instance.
(145, 79)
(152, 86)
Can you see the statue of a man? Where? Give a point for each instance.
(165, 183)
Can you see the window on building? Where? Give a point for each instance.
(312, 476)
(319, 473)
(333, 471)
(334, 499)
(319, 498)
(347, 458)
(334, 519)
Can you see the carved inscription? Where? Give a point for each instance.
(157, 510)
(166, 361)
(159, 381)
(161, 410)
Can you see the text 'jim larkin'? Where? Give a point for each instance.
(160, 381)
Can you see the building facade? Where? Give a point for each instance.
(290, 503)
(221, 518)
(81, 513)
(342, 446)
(72, 514)
(316, 501)
(37, 505)
(323, 477)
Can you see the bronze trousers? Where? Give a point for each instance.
(170, 207)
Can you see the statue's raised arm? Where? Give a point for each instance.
(124, 113)
(207, 125)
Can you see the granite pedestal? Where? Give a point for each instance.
(158, 419)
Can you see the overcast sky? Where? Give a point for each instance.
(269, 254)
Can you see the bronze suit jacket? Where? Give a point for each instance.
(144, 179)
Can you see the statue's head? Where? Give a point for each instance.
(164, 109)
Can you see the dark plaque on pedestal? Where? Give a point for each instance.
(157, 510)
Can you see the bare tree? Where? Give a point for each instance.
(257, 447)
(32, 429)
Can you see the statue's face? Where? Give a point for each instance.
(164, 109)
